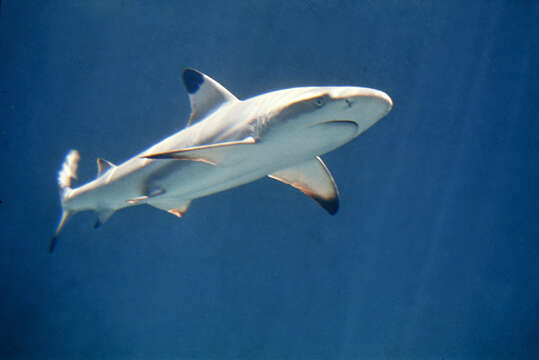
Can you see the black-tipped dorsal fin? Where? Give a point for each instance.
(205, 94)
(314, 180)
(103, 165)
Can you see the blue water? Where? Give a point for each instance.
(434, 253)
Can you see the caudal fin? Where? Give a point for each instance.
(52, 243)
(65, 176)
(69, 170)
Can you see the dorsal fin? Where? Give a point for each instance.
(103, 165)
(205, 94)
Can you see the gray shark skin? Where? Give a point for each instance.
(228, 143)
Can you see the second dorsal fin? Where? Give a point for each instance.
(103, 165)
(205, 94)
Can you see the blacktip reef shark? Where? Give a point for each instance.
(227, 143)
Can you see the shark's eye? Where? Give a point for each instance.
(321, 101)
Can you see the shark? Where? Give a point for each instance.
(228, 143)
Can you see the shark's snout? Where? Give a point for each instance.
(364, 106)
(354, 96)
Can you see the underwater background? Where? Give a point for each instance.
(434, 253)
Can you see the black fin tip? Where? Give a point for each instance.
(192, 80)
(52, 244)
(330, 205)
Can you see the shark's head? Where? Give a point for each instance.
(322, 115)
(326, 117)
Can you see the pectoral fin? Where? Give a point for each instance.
(144, 197)
(314, 180)
(213, 154)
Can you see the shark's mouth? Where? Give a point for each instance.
(337, 123)
(334, 130)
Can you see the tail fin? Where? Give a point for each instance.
(66, 174)
(52, 244)
(69, 170)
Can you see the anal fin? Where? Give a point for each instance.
(314, 180)
(102, 216)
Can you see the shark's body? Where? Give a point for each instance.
(228, 143)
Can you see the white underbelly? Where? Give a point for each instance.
(191, 179)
